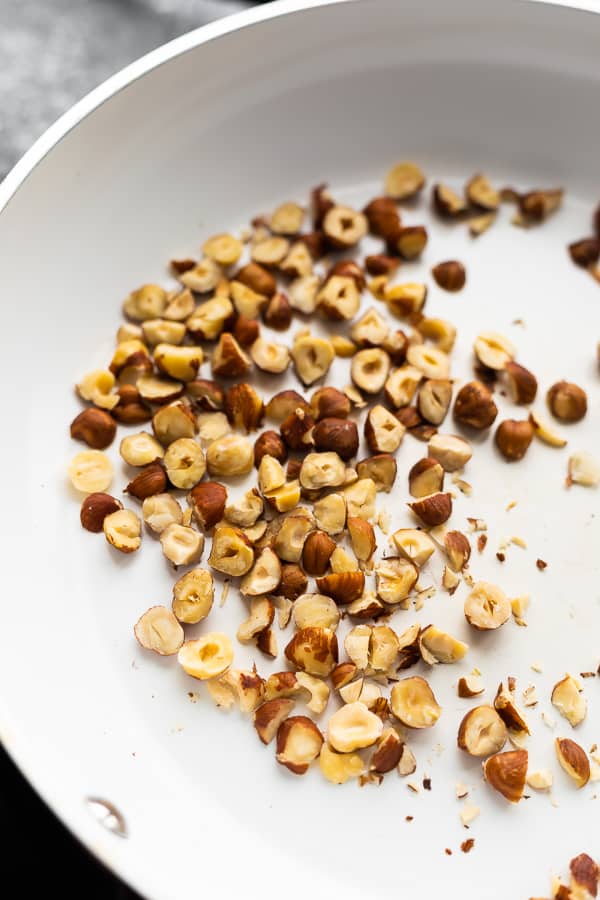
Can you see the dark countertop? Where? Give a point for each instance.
(52, 52)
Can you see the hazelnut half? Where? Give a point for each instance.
(482, 732)
(413, 703)
(573, 759)
(474, 406)
(487, 607)
(507, 773)
(513, 438)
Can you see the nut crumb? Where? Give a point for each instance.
(588, 674)
(481, 542)
(408, 818)
(519, 542)
(548, 720)
(413, 786)
(462, 791)
(427, 783)
(500, 556)
(511, 505)
(530, 697)
(224, 592)
(467, 845)
(468, 814)
(541, 564)
(463, 486)
(193, 696)
(448, 851)
(477, 524)
(536, 667)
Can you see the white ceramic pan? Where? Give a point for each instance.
(195, 138)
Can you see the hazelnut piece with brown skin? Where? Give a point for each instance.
(269, 443)
(450, 275)
(513, 438)
(567, 401)
(94, 427)
(340, 435)
(474, 406)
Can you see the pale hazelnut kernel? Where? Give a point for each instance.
(160, 511)
(482, 732)
(159, 630)
(264, 576)
(312, 357)
(181, 363)
(493, 350)
(208, 320)
(270, 251)
(583, 469)
(315, 611)
(230, 456)
(413, 703)
(425, 477)
(401, 386)
(269, 716)
(405, 300)
(545, 432)
(380, 468)
(383, 431)
(291, 536)
(287, 219)
(262, 613)
(434, 400)
(123, 530)
(184, 463)
(181, 544)
(330, 513)
(430, 361)
(207, 657)
(369, 369)
(404, 180)
(212, 426)
(96, 387)
(344, 227)
(231, 551)
(147, 302)
(353, 727)
(203, 277)
(451, 451)
(414, 545)
(246, 511)
(360, 498)
(299, 742)
(90, 471)
(338, 768)
(371, 330)
(163, 331)
(320, 470)
(438, 647)
(383, 648)
(176, 420)
(487, 607)
(569, 701)
(225, 249)
(193, 596)
(318, 690)
(302, 293)
(395, 579)
(271, 475)
(541, 780)
(339, 298)
(270, 356)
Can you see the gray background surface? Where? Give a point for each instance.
(52, 52)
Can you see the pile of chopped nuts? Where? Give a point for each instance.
(301, 544)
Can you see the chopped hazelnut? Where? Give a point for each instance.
(159, 630)
(353, 727)
(568, 700)
(123, 530)
(193, 596)
(450, 275)
(513, 438)
(207, 657)
(482, 732)
(487, 607)
(413, 703)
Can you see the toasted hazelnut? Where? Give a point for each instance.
(180, 363)
(407, 763)
(343, 587)
(269, 443)
(317, 549)
(264, 576)
(537, 205)
(209, 319)
(379, 263)
(413, 703)
(434, 400)
(318, 690)
(181, 544)
(207, 501)
(362, 536)
(293, 582)
(487, 607)
(312, 358)
(270, 251)
(383, 431)
(123, 530)
(469, 686)
(425, 477)
(207, 657)
(505, 705)
(244, 407)
(458, 550)
(257, 278)
(395, 579)
(271, 475)
(507, 772)
(270, 715)
(266, 642)
(344, 227)
(404, 181)
(387, 753)
(246, 331)
(278, 312)
(338, 435)
(184, 463)
(193, 596)
(573, 760)
(569, 701)
(440, 332)
(329, 402)
(433, 509)
(583, 469)
(430, 361)
(567, 401)
(360, 498)
(330, 513)
(284, 684)
(95, 508)
(482, 732)
(302, 293)
(405, 300)
(297, 430)
(369, 369)
(313, 650)
(130, 410)
(95, 427)
(401, 386)
(174, 421)
(451, 451)
(369, 606)
(299, 742)
(343, 675)
(212, 426)
(128, 331)
(522, 384)
(438, 647)
(409, 652)
(161, 510)
(146, 302)
(231, 552)
(228, 359)
(158, 390)
(151, 480)
(339, 298)
(353, 727)
(371, 330)
(315, 611)
(262, 613)
(447, 203)
(381, 469)
(290, 538)
(480, 193)
(225, 249)
(414, 545)
(203, 277)
(585, 253)
(320, 470)
(450, 275)
(338, 768)
(383, 219)
(342, 346)
(90, 471)
(270, 356)
(378, 287)
(410, 241)
(159, 630)
(513, 438)
(230, 456)
(545, 432)
(474, 406)
(493, 350)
